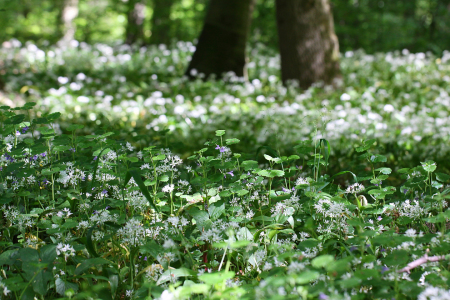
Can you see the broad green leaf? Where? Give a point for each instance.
(200, 216)
(89, 263)
(231, 141)
(174, 273)
(216, 278)
(62, 286)
(350, 282)
(249, 165)
(429, 166)
(385, 171)
(89, 243)
(268, 157)
(377, 158)
(322, 261)
(74, 127)
(396, 258)
(306, 277)
(220, 132)
(216, 209)
(442, 177)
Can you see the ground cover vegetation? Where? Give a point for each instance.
(116, 186)
(420, 25)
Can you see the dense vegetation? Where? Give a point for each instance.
(121, 178)
(420, 25)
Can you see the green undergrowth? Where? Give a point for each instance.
(401, 99)
(91, 217)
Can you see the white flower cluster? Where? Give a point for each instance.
(4, 288)
(65, 249)
(410, 209)
(355, 188)
(301, 181)
(434, 293)
(132, 233)
(153, 272)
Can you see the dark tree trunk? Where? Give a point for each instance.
(68, 13)
(308, 44)
(135, 25)
(161, 22)
(221, 45)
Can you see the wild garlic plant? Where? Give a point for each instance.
(93, 215)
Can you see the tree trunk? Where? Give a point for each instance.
(309, 47)
(135, 24)
(221, 45)
(161, 22)
(69, 11)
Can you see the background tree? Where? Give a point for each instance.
(135, 21)
(69, 11)
(221, 45)
(161, 25)
(309, 47)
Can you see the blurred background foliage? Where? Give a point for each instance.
(373, 25)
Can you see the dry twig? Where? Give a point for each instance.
(420, 261)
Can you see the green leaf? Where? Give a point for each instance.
(322, 261)
(159, 157)
(137, 178)
(220, 132)
(397, 258)
(385, 171)
(216, 278)
(344, 172)
(271, 173)
(216, 209)
(15, 120)
(200, 216)
(175, 273)
(350, 282)
(29, 105)
(232, 141)
(54, 116)
(307, 277)
(377, 158)
(89, 244)
(8, 257)
(442, 177)
(269, 149)
(62, 286)
(249, 165)
(242, 192)
(47, 253)
(164, 178)
(268, 157)
(429, 166)
(89, 263)
(74, 127)
(327, 149)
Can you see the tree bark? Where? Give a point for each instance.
(135, 24)
(221, 45)
(161, 22)
(309, 47)
(69, 11)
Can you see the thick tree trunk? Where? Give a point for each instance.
(161, 22)
(221, 45)
(135, 25)
(308, 44)
(69, 11)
